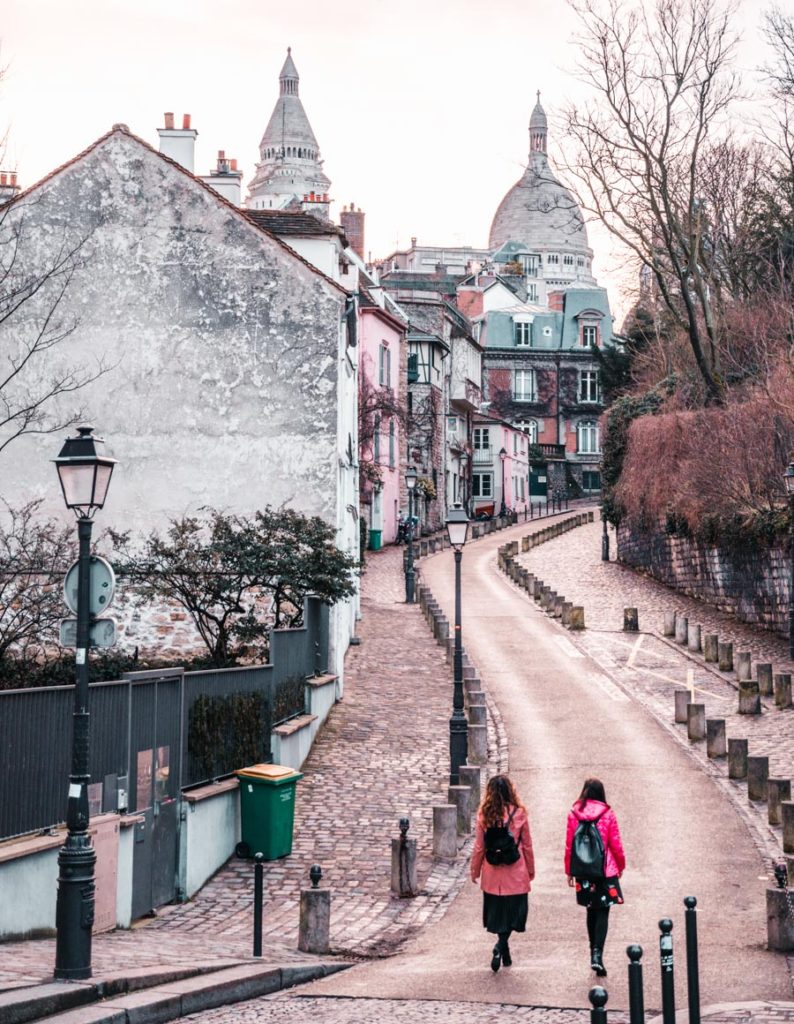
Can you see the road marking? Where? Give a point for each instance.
(608, 687)
(635, 650)
(568, 648)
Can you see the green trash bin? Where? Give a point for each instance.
(267, 810)
(375, 539)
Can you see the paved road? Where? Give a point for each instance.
(565, 719)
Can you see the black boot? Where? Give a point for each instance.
(597, 963)
(507, 960)
(496, 959)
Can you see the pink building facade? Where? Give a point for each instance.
(500, 466)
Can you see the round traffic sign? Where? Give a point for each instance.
(103, 586)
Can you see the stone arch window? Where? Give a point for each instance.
(588, 441)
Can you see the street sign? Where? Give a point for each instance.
(102, 633)
(103, 586)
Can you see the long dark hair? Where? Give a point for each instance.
(593, 789)
(500, 793)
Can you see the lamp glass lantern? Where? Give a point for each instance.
(410, 478)
(788, 479)
(457, 526)
(84, 470)
(502, 454)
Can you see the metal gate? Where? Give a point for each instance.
(155, 743)
(538, 481)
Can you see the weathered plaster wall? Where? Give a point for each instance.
(752, 584)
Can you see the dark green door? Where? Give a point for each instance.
(538, 482)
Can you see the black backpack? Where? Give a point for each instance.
(500, 843)
(587, 850)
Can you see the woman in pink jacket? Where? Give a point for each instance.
(597, 895)
(503, 861)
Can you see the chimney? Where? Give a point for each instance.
(179, 143)
(352, 222)
(8, 186)
(556, 301)
(226, 179)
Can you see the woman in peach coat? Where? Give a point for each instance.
(504, 886)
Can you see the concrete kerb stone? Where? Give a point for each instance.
(711, 647)
(778, 790)
(757, 778)
(749, 698)
(787, 821)
(737, 758)
(478, 714)
(765, 679)
(471, 776)
(782, 687)
(445, 832)
(696, 722)
(744, 668)
(693, 636)
(681, 629)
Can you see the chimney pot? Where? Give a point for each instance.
(14, 178)
(234, 165)
(169, 119)
(221, 154)
(3, 178)
(185, 122)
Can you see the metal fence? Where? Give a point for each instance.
(210, 723)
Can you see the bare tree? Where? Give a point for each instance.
(664, 80)
(376, 406)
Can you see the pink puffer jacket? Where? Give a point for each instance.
(607, 825)
(505, 879)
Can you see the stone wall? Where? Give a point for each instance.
(752, 584)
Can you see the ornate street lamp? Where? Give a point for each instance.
(457, 530)
(788, 479)
(410, 483)
(503, 508)
(84, 470)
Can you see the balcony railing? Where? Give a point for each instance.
(481, 456)
(551, 451)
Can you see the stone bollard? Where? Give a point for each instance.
(469, 672)
(576, 617)
(460, 796)
(478, 744)
(787, 821)
(681, 629)
(682, 699)
(476, 698)
(565, 613)
(478, 714)
(725, 657)
(314, 923)
(711, 647)
(442, 631)
(716, 742)
(693, 636)
(631, 620)
(556, 611)
(525, 543)
(470, 775)
(696, 722)
(445, 831)
(779, 921)
(744, 668)
(668, 629)
(783, 690)
(749, 698)
(757, 778)
(778, 790)
(765, 680)
(737, 759)
(404, 881)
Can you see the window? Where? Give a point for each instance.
(481, 485)
(580, 261)
(588, 386)
(532, 293)
(529, 264)
(384, 367)
(552, 260)
(376, 438)
(530, 428)
(567, 260)
(587, 440)
(591, 480)
(523, 334)
(589, 336)
(524, 386)
(515, 444)
(391, 443)
(482, 444)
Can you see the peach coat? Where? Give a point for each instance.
(505, 879)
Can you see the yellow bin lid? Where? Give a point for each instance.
(271, 772)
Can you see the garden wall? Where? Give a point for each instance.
(751, 583)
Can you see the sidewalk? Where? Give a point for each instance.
(382, 754)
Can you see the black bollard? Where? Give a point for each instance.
(598, 1000)
(692, 979)
(636, 997)
(666, 962)
(259, 873)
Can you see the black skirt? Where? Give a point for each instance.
(599, 895)
(504, 913)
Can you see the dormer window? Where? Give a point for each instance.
(589, 336)
(523, 335)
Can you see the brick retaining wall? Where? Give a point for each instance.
(752, 584)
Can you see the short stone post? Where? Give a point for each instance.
(711, 647)
(576, 617)
(445, 831)
(778, 790)
(556, 611)
(787, 821)
(470, 775)
(404, 880)
(725, 657)
(460, 796)
(525, 543)
(749, 698)
(696, 722)
(693, 636)
(668, 629)
(442, 631)
(478, 714)
(783, 690)
(757, 778)
(631, 620)
(682, 699)
(737, 759)
(779, 921)
(716, 741)
(478, 744)
(681, 629)
(744, 667)
(314, 924)
(476, 697)
(565, 613)
(765, 680)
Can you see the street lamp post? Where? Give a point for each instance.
(789, 481)
(503, 508)
(457, 530)
(604, 537)
(410, 483)
(84, 471)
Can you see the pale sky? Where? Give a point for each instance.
(420, 107)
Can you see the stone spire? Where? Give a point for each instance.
(538, 130)
(290, 166)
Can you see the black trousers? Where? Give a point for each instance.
(597, 925)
